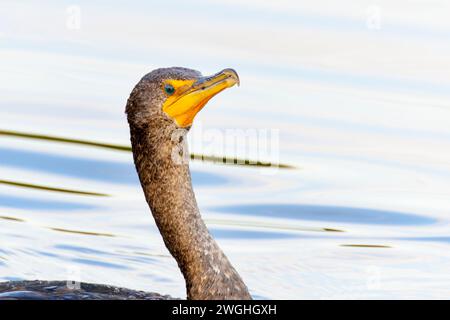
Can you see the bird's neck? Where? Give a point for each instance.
(168, 190)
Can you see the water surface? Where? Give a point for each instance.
(361, 104)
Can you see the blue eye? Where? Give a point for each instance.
(169, 89)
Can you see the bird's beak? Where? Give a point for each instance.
(191, 97)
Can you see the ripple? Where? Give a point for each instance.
(206, 178)
(47, 254)
(158, 255)
(428, 239)
(365, 246)
(89, 169)
(328, 214)
(100, 263)
(268, 225)
(84, 233)
(41, 204)
(193, 156)
(47, 188)
(126, 256)
(11, 219)
(250, 234)
(79, 249)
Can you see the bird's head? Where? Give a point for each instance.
(173, 96)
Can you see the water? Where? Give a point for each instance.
(360, 96)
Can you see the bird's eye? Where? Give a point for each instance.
(169, 89)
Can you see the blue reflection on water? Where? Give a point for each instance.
(79, 249)
(328, 213)
(40, 204)
(90, 169)
(46, 253)
(205, 178)
(250, 234)
(428, 239)
(99, 170)
(101, 263)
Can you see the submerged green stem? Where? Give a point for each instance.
(118, 147)
(39, 187)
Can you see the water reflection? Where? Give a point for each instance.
(350, 108)
(250, 234)
(85, 233)
(269, 225)
(328, 213)
(11, 219)
(89, 169)
(47, 254)
(428, 239)
(193, 156)
(47, 188)
(18, 202)
(78, 249)
(99, 263)
(26, 135)
(365, 246)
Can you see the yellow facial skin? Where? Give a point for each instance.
(190, 96)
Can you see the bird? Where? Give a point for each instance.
(160, 112)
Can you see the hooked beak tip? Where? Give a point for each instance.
(231, 73)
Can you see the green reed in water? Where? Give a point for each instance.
(47, 188)
(193, 156)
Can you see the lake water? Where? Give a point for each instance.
(358, 94)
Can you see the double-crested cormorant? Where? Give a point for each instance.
(160, 111)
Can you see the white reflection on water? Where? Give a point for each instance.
(364, 112)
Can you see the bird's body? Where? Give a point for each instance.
(70, 290)
(160, 111)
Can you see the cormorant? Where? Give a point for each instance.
(160, 111)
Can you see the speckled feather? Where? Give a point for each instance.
(168, 190)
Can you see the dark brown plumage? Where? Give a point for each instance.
(157, 143)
